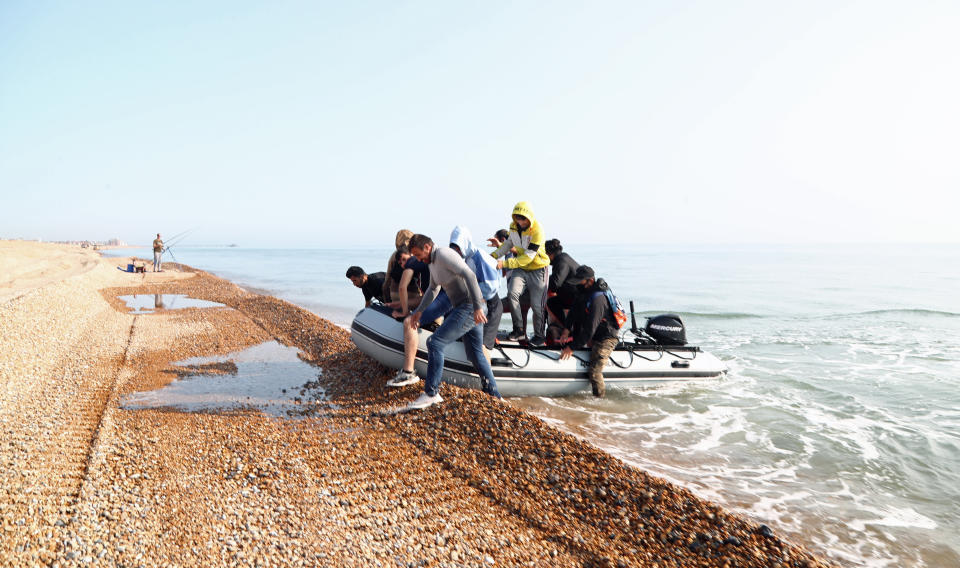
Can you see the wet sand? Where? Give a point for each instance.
(470, 482)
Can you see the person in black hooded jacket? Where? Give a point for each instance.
(562, 287)
(591, 321)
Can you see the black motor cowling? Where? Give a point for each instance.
(667, 329)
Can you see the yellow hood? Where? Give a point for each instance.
(523, 208)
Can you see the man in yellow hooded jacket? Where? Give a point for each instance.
(529, 264)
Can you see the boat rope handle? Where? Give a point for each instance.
(678, 356)
(546, 354)
(627, 366)
(578, 358)
(659, 352)
(512, 362)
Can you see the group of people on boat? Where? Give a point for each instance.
(460, 283)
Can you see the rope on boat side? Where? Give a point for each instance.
(512, 362)
(678, 356)
(659, 353)
(627, 366)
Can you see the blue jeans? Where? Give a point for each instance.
(458, 323)
(438, 307)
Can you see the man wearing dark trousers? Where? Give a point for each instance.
(591, 322)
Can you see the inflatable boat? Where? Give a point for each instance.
(523, 370)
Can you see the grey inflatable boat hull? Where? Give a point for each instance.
(524, 371)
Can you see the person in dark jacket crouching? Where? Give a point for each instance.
(591, 322)
(562, 286)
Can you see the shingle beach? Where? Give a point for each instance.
(339, 482)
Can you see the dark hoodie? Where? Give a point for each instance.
(562, 270)
(591, 318)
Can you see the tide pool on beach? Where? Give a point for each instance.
(839, 421)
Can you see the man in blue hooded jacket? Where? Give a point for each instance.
(488, 277)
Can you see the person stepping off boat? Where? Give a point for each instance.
(591, 321)
(406, 375)
(488, 278)
(449, 272)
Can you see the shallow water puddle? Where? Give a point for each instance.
(147, 303)
(266, 377)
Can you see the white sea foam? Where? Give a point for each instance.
(894, 517)
(732, 424)
(778, 508)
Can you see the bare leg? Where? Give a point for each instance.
(410, 339)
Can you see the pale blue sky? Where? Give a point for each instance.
(322, 123)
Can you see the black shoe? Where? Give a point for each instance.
(537, 341)
(516, 336)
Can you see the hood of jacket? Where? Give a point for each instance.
(461, 237)
(480, 262)
(523, 209)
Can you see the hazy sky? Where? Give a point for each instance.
(334, 123)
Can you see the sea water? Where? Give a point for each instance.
(838, 424)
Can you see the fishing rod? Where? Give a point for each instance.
(177, 262)
(173, 238)
(179, 237)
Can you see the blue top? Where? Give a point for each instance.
(481, 263)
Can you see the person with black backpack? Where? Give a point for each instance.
(592, 321)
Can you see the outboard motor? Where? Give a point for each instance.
(667, 329)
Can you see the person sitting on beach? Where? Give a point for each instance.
(591, 322)
(371, 284)
(157, 253)
(530, 263)
(450, 273)
(408, 278)
(562, 287)
(488, 278)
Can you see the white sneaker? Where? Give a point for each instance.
(424, 401)
(403, 378)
